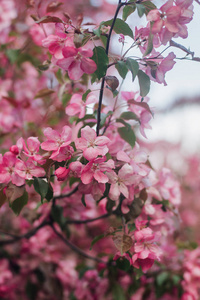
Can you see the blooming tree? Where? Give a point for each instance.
(84, 215)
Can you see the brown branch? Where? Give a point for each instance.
(88, 220)
(27, 235)
(66, 195)
(75, 248)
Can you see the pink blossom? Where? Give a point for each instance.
(169, 187)
(171, 19)
(28, 169)
(55, 43)
(121, 38)
(78, 106)
(8, 170)
(96, 169)
(32, 148)
(120, 181)
(56, 141)
(90, 144)
(146, 252)
(76, 62)
(61, 173)
(168, 17)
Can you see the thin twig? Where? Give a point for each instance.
(75, 248)
(103, 80)
(66, 195)
(27, 235)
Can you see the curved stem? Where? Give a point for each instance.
(75, 248)
(27, 235)
(88, 220)
(103, 80)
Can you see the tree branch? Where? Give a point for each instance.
(75, 248)
(103, 80)
(88, 220)
(27, 235)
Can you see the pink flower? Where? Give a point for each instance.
(61, 173)
(121, 38)
(168, 17)
(76, 62)
(90, 144)
(8, 170)
(55, 43)
(145, 253)
(120, 181)
(56, 142)
(160, 67)
(32, 148)
(78, 106)
(169, 188)
(96, 169)
(28, 169)
(73, 170)
(171, 19)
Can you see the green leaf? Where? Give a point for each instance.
(161, 278)
(127, 11)
(13, 55)
(140, 9)
(149, 45)
(121, 68)
(148, 6)
(31, 290)
(127, 134)
(19, 203)
(144, 83)
(118, 292)
(109, 204)
(104, 40)
(104, 118)
(85, 95)
(49, 19)
(49, 194)
(129, 115)
(138, 272)
(133, 66)
(41, 187)
(123, 264)
(120, 27)
(57, 214)
(101, 59)
(96, 239)
(97, 31)
(83, 200)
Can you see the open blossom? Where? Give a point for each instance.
(157, 73)
(146, 251)
(55, 43)
(28, 169)
(32, 149)
(8, 170)
(168, 187)
(78, 106)
(91, 144)
(120, 181)
(170, 20)
(76, 62)
(73, 170)
(97, 169)
(56, 142)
